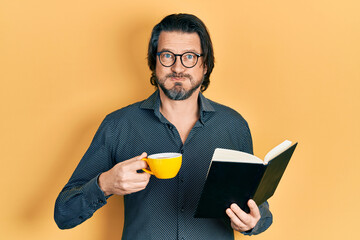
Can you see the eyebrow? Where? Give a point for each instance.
(186, 50)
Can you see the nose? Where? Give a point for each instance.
(177, 67)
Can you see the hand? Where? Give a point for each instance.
(123, 178)
(242, 221)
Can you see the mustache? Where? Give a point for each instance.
(180, 75)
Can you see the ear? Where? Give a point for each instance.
(205, 68)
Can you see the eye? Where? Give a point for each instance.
(167, 55)
(189, 56)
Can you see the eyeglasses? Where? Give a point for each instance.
(188, 59)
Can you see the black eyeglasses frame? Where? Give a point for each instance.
(179, 55)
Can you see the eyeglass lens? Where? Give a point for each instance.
(187, 59)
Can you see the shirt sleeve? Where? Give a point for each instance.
(82, 196)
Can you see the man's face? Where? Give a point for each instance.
(177, 81)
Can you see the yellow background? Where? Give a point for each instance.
(291, 68)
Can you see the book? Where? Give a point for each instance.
(236, 177)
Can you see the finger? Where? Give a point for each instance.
(139, 177)
(132, 165)
(137, 158)
(143, 155)
(243, 216)
(136, 163)
(144, 176)
(136, 186)
(254, 209)
(236, 223)
(142, 163)
(130, 188)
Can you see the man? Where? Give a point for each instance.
(176, 118)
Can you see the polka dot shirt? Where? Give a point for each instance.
(165, 208)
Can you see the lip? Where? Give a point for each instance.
(178, 79)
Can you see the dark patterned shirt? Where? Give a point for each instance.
(165, 208)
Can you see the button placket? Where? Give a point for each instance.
(181, 206)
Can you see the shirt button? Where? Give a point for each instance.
(182, 151)
(182, 209)
(182, 179)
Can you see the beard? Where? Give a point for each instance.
(177, 92)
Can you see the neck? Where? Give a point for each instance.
(180, 109)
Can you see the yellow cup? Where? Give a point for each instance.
(164, 165)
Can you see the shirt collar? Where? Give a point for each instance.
(153, 103)
(205, 104)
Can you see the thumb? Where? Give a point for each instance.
(140, 157)
(134, 163)
(254, 210)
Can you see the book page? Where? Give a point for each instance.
(277, 150)
(227, 155)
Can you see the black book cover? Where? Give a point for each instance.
(236, 182)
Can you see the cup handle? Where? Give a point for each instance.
(146, 170)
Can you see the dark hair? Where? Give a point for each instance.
(184, 23)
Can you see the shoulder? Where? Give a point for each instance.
(232, 123)
(125, 117)
(132, 110)
(228, 114)
(138, 109)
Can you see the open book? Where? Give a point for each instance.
(236, 177)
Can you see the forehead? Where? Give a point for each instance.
(179, 42)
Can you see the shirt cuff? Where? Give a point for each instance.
(264, 222)
(94, 195)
